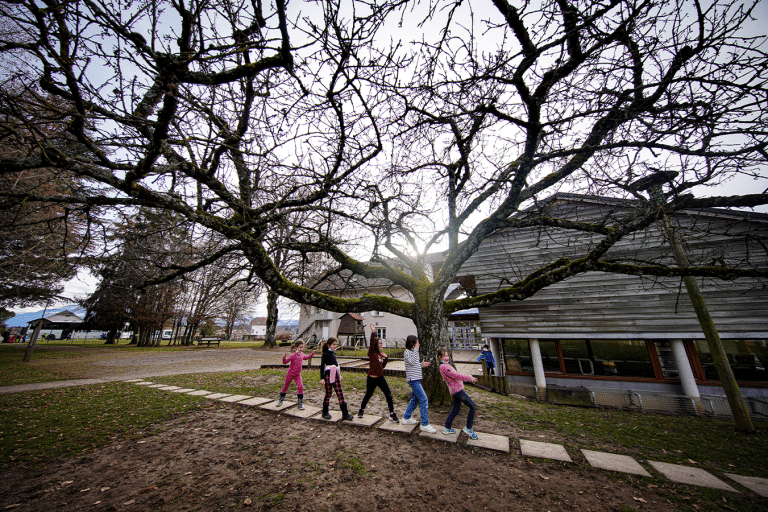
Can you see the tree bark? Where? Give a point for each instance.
(432, 331)
(111, 335)
(719, 356)
(269, 337)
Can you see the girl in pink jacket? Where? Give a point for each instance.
(455, 382)
(296, 357)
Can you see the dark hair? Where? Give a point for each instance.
(410, 341)
(328, 343)
(373, 345)
(441, 352)
(296, 343)
(486, 346)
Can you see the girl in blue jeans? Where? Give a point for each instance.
(413, 375)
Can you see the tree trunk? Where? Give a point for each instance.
(716, 349)
(432, 331)
(111, 335)
(269, 337)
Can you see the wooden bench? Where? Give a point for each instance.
(208, 341)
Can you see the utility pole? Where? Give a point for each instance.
(33, 340)
(653, 185)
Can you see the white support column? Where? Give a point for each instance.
(538, 368)
(685, 373)
(496, 351)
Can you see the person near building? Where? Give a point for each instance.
(296, 358)
(455, 382)
(413, 374)
(377, 360)
(330, 377)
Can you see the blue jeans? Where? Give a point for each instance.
(417, 395)
(458, 398)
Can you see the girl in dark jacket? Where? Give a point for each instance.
(377, 361)
(330, 377)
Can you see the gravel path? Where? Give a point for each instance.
(124, 366)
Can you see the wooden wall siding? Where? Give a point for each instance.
(597, 303)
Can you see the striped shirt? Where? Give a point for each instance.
(412, 365)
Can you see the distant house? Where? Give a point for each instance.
(259, 327)
(57, 325)
(391, 328)
(623, 340)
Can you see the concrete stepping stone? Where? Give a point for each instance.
(757, 485)
(182, 390)
(256, 401)
(309, 411)
(489, 442)
(158, 386)
(449, 438)
(133, 380)
(368, 420)
(690, 476)
(216, 396)
(335, 417)
(272, 406)
(544, 450)
(235, 398)
(144, 383)
(397, 427)
(614, 462)
(200, 392)
(170, 388)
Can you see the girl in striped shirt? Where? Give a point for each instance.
(413, 375)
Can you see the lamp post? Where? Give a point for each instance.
(653, 185)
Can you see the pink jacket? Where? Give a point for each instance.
(296, 359)
(454, 379)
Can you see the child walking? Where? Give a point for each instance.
(330, 376)
(487, 357)
(413, 375)
(377, 361)
(455, 382)
(296, 357)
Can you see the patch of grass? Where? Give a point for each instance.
(347, 459)
(41, 425)
(709, 443)
(14, 371)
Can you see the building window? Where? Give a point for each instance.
(549, 356)
(518, 355)
(610, 358)
(381, 333)
(748, 359)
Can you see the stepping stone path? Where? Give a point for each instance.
(690, 476)
(544, 450)
(536, 449)
(614, 462)
(451, 438)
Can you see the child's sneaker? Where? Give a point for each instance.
(393, 417)
(470, 433)
(360, 413)
(409, 421)
(447, 431)
(428, 428)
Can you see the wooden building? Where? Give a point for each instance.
(619, 340)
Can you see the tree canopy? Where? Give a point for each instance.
(394, 129)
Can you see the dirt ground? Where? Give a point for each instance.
(229, 457)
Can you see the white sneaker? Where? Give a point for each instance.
(428, 428)
(409, 421)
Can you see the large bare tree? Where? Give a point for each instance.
(237, 115)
